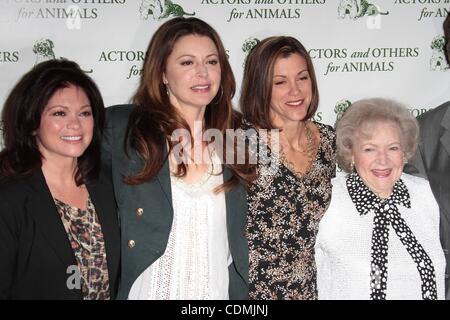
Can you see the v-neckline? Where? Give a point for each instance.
(289, 165)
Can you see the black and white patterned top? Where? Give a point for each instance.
(283, 218)
(386, 215)
(373, 248)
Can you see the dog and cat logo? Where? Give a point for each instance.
(358, 8)
(340, 107)
(43, 50)
(248, 45)
(437, 60)
(161, 9)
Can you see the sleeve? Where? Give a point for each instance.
(9, 240)
(323, 272)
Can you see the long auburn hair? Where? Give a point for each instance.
(154, 118)
(256, 90)
(22, 112)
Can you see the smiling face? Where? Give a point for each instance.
(379, 159)
(291, 90)
(66, 126)
(193, 72)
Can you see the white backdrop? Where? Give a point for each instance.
(357, 52)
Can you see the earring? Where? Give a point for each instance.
(352, 166)
(405, 161)
(167, 87)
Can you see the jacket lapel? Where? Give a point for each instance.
(102, 197)
(445, 138)
(236, 203)
(164, 178)
(42, 207)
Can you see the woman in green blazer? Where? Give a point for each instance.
(182, 210)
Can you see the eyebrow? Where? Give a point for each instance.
(193, 56)
(374, 144)
(283, 76)
(65, 107)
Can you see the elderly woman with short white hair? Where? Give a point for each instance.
(379, 238)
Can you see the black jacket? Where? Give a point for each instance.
(35, 252)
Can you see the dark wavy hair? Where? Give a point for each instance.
(154, 118)
(21, 117)
(256, 90)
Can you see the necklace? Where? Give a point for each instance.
(309, 141)
(307, 152)
(310, 145)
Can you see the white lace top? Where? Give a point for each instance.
(195, 263)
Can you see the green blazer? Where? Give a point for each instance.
(146, 213)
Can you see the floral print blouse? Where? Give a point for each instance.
(285, 208)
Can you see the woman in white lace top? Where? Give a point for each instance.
(379, 239)
(182, 210)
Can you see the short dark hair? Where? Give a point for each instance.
(21, 117)
(256, 90)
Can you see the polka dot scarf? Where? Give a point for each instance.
(387, 214)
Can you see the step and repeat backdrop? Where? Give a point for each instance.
(360, 48)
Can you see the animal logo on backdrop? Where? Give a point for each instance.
(340, 107)
(358, 8)
(248, 45)
(43, 49)
(438, 61)
(161, 9)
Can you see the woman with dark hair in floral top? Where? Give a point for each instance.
(292, 188)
